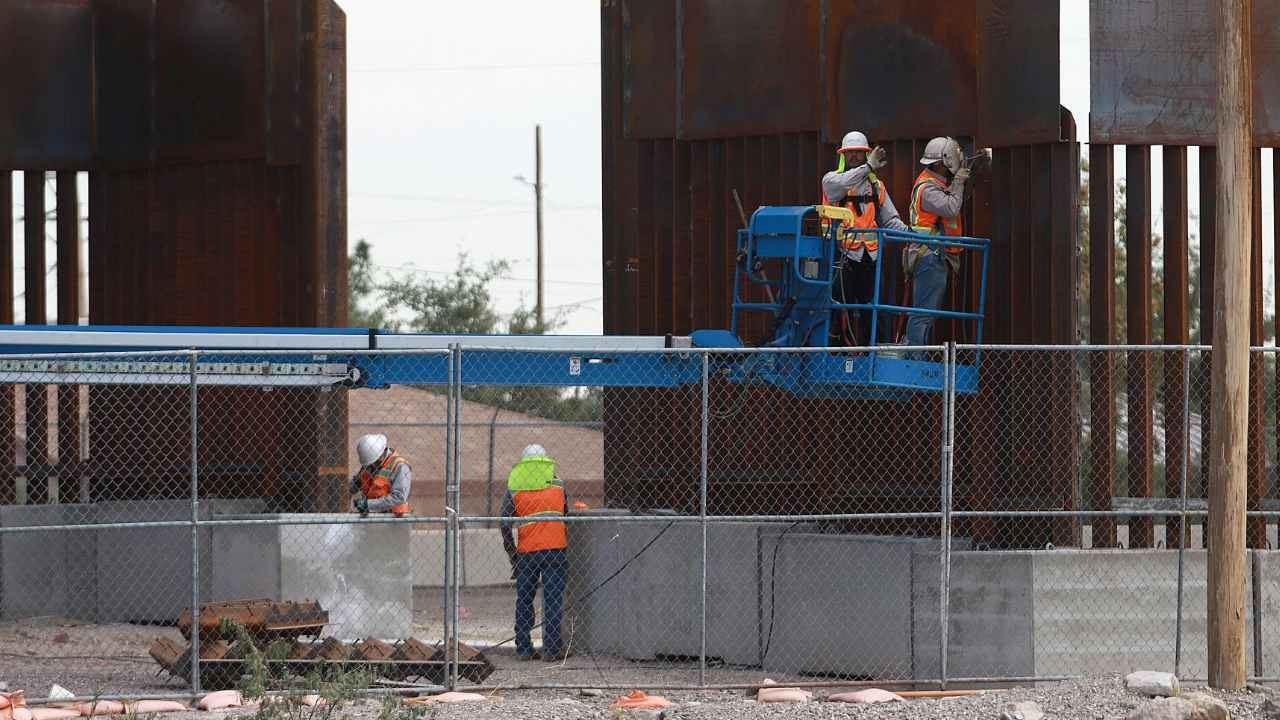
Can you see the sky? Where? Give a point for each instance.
(442, 103)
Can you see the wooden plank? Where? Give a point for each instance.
(1138, 313)
(1176, 330)
(1102, 304)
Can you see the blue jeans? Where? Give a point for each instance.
(549, 566)
(928, 285)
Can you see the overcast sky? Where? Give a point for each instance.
(442, 102)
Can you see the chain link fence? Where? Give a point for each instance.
(731, 515)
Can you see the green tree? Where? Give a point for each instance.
(364, 307)
(462, 303)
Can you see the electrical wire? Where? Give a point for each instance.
(773, 575)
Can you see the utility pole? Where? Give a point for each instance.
(537, 191)
(537, 196)
(1230, 374)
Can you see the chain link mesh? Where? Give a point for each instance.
(772, 520)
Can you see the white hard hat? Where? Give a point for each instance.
(534, 450)
(855, 140)
(370, 447)
(944, 150)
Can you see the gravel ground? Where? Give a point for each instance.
(1102, 699)
(113, 659)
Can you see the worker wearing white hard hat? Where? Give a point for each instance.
(855, 186)
(937, 198)
(382, 483)
(534, 500)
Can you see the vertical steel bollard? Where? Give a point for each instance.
(1184, 533)
(195, 531)
(948, 454)
(702, 508)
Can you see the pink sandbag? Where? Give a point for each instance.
(783, 695)
(22, 713)
(870, 696)
(10, 703)
(310, 700)
(446, 697)
(101, 707)
(48, 713)
(638, 700)
(221, 699)
(771, 693)
(147, 707)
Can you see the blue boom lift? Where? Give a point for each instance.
(801, 305)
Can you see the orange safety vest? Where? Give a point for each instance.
(928, 223)
(378, 484)
(535, 535)
(865, 209)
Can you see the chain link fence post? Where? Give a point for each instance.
(1184, 532)
(454, 499)
(944, 496)
(450, 514)
(195, 529)
(702, 509)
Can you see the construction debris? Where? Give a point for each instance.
(870, 696)
(274, 630)
(263, 619)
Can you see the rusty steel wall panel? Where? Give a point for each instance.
(283, 91)
(1017, 85)
(899, 69)
(1138, 364)
(650, 39)
(749, 67)
(46, 87)
(1153, 69)
(124, 85)
(210, 69)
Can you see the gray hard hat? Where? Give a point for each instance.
(944, 150)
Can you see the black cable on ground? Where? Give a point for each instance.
(773, 574)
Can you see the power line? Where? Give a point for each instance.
(424, 271)
(475, 216)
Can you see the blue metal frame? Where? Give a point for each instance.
(803, 301)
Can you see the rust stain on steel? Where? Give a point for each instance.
(1018, 72)
(649, 44)
(1152, 69)
(46, 87)
(748, 67)
(899, 69)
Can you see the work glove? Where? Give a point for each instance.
(876, 158)
(362, 505)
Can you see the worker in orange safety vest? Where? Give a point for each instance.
(937, 199)
(855, 186)
(381, 485)
(535, 502)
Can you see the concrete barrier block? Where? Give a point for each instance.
(836, 604)
(48, 573)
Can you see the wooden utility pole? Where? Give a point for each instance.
(1230, 374)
